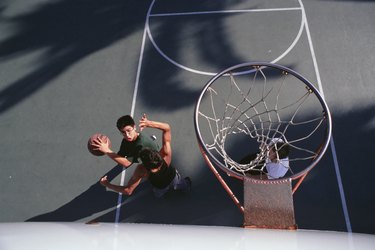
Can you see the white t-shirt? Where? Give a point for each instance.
(277, 169)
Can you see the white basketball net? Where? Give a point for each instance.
(257, 108)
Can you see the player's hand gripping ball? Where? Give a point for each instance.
(93, 147)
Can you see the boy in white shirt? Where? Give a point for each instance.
(276, 161)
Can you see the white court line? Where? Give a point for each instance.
(221, 12)
(332, 144)
(135, 93)
(218, 12)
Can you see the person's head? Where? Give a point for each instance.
(279, 150)
(151, 159)
(126, 126)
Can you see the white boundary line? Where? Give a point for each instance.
(218, 12)
(332, 144)
(135, 93)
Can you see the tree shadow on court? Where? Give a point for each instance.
(316, 206)
(66, 31)
(214, 48)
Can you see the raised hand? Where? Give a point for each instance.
(143, 122)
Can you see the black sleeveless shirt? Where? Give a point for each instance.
(163, 177)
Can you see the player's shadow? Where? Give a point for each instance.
(93, 200)
(64, 32)
(200, 206)
(142, 207)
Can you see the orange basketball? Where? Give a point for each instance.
(92, 148)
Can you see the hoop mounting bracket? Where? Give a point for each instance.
(268, 204)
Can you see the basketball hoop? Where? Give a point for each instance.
(259, 109)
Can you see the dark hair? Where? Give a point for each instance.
(282, 149)
(150, 158)
(124, 121)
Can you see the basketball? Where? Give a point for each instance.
(92, 148)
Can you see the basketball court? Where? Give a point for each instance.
(69, 69)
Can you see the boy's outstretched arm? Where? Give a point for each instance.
(134, 181)
(166, 150)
